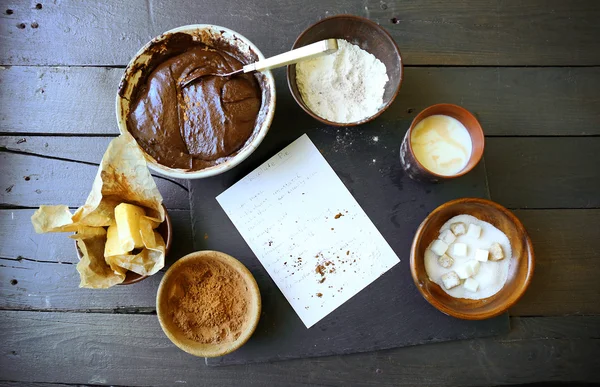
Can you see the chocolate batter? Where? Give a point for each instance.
(196, 126)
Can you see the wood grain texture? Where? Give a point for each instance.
(565, 280)
(38, 271)
(31, 180)
(507, 101)
(29, 384)
(544, 172)
(132, 350)
(77, 149)
(567, 266)
(59, 99)
(483, 32)
(19, 240)
(519, 181)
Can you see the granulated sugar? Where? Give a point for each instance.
(346, 86)
(491, 276)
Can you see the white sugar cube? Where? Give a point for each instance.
(463, 272)
(473, 267)
(458, 228)
(496, 252)
(474, 231)
(471, 285)
(439, 247)
(447, 236)
(445, 261)
(468, 270)
(482, 255)
(450, 280)
(459, 249)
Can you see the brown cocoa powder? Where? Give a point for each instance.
(209, 302)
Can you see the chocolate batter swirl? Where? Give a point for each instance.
(194, 127)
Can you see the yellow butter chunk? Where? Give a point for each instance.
(128, 217)
(113, 245)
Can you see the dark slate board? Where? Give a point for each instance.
(388, 313)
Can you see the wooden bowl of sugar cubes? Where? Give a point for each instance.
(472, 259)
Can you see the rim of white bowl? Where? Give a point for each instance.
(244, 152)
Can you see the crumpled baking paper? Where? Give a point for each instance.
(123, 177)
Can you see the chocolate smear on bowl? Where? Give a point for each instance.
(204, 123)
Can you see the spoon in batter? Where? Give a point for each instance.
(307, 52)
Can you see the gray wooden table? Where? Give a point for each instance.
(528, 69)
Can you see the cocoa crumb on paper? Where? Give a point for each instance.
(319, 295)
(320, 270)
(339, 215)
(270, 243)
(348, 252)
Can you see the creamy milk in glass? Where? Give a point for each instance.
(442, 144)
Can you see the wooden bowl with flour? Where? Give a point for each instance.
(367, 35)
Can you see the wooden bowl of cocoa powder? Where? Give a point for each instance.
(208, 304)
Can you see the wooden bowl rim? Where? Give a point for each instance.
(211, 350)
(511, 300)
(424, 114)
(298, 98)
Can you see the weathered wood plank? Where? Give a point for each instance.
(567, 264)
(4, 383)
(30, 180)
(20, 240)
(54, 286)
(551, 101)
(544, 172)
(38, 271)
(95, 348)
(84, 149)
(59, 100)
(521, 171)
(483, 32)
(565, 280)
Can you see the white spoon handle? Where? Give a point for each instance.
(312, 50)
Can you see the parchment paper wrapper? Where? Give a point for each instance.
(123, 177)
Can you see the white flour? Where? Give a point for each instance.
(346, 86)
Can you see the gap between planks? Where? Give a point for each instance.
(6, 150)
(108, 66)
(86, 135)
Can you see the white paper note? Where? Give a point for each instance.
(309, 233)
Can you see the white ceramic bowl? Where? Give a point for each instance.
(205, 33)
